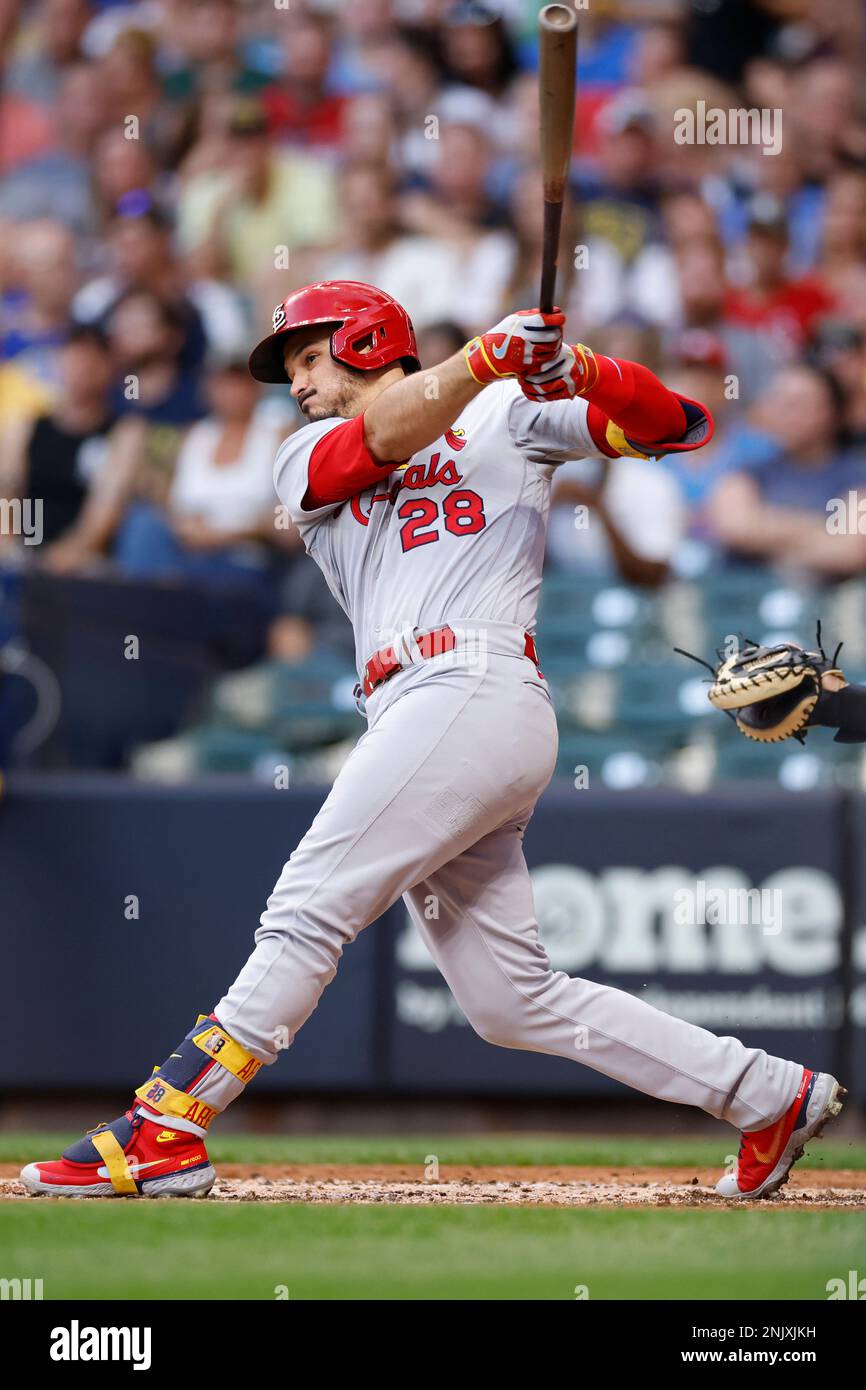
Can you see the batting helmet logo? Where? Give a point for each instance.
(279, 318)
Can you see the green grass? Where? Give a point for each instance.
(171, 1250)
(511, 1149)
(180, 1250)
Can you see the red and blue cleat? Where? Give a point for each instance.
(767, 1156)
(133, 1156)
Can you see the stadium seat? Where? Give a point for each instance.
(615, 760)
(297, 705)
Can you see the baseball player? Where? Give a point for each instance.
(423, 497)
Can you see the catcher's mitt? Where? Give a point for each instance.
(772, 693)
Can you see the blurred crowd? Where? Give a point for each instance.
(170, 169)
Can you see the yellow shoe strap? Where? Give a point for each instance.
(108, 1148)
(167, 1100)
(216, 1042)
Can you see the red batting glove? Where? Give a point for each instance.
(573, 372)
(523, 342)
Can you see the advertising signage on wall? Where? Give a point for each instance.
(150, 907)
(728, 918)
(735, 917)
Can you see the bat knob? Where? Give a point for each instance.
(560, 17)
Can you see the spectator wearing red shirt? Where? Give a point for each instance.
(299, 107)
(785, 309)
(26, 132)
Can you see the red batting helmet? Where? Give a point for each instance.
(361, 316)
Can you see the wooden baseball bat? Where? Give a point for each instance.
(557, 81)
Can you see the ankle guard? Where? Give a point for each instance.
(195, 1083)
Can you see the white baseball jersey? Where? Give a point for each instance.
(457, 533)
(434, 798)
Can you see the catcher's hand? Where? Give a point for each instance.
(774, 693)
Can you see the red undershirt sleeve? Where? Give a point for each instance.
(634, 398)
(597, 422)
(341, 466)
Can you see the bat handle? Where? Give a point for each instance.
(550, 255)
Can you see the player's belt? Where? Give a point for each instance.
(385, 663)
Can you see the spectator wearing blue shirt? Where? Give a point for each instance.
(154, 393)
(697, 366)
(147, 336)
(792, 468)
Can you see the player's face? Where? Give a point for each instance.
(323, 388)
